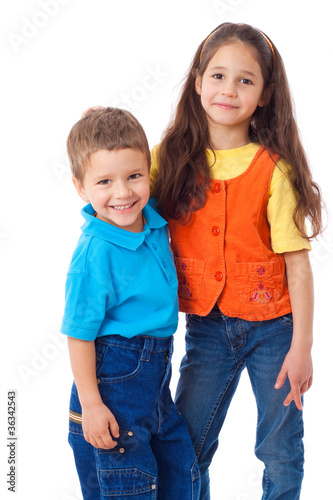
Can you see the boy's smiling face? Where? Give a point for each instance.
(116, 183)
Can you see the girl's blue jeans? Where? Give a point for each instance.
(218, 348)
(154, 457)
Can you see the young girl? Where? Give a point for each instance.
(233, 180)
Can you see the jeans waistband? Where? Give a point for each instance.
(144, 343)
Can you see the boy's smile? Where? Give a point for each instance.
(116, 183)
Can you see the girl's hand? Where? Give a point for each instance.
(97, 422)
(298, 367)
(91, 109)
(297, 364)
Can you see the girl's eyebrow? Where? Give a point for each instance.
(243, 71)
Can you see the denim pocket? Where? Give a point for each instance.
(118, 364)
(192, 318)
(287, 320)
(125, 483)
(190, 276)
(259, 282)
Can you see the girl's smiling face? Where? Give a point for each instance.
(231, 88)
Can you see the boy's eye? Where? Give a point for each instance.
(134, 176)
(104, 182)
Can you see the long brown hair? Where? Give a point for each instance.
(183, 174)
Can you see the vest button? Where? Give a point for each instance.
(217, 187)
(215, 231)
(218, 276)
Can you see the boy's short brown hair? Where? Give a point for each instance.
(109, 128)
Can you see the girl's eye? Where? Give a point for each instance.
(246, 81)
(104, 182)
(134, 176)
(218, 76)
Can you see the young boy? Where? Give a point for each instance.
(121, 312)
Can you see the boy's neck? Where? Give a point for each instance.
(137, 228)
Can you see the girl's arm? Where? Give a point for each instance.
(97, 419)
(298, 362)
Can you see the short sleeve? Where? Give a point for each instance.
(154, 165)
(282, 201)
(86, 302)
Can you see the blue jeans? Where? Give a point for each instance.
(218, 348)
(154, 457)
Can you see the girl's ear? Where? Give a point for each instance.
(80, 189)
(266, 96)
(198, 84)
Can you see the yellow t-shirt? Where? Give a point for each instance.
(230, 163)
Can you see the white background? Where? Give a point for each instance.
(54, 66)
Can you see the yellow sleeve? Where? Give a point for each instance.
(281, 205)
(154, 166)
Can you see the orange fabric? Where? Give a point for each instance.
(224, 253)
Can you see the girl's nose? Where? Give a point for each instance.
(229, 90)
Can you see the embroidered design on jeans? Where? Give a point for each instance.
(261, 294)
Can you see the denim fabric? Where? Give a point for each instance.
(154, 457)
(218, 348)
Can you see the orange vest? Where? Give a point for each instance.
(224, 253)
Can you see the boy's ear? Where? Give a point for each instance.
(266, 96)
(80, 189)
(198, 84)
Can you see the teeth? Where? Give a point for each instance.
(122, 207)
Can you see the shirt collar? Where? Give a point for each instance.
(127, 239)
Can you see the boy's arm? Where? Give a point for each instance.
(97, 419)
(298, 363)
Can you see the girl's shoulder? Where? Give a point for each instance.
(281, 172)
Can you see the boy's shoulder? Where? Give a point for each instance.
(100, 243)
(90, 254)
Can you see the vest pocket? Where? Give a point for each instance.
(190, 275)
(259, 282)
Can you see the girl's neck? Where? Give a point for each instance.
(222, 138)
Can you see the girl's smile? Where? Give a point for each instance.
(231, 88)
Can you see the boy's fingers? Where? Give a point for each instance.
(114, 427)
(107, 441)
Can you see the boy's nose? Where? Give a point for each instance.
(122, 190)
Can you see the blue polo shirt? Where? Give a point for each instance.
(120, 282)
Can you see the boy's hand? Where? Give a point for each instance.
(298, 367)
(97, 422)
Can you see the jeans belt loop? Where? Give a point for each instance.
(147, 349)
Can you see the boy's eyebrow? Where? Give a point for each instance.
(130, 172)
(223, 68)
